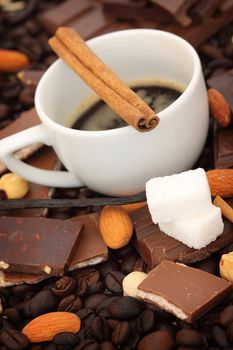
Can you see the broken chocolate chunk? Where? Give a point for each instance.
(92, 249)
(155, 246)
(37, 245)
(186, 292)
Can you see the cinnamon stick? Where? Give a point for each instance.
(226, 209)
(128, 105)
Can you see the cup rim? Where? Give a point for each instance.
(125, 129)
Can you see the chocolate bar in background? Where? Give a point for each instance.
(223, 148)
(30, 77)
(38, 245)
(223, 83)
(92, 250)
(186, 292)
(92, 17)
(86, 16)
(24, 121)
(155, 246)
(45, 158)
(9, 279)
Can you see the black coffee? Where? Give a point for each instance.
(100, 116)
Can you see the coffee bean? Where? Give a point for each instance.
(186, 348)
(113, 281)
(219, 337)
(226, 316)
(14, 339)
(41, 303)
(189, 337)
(64, 286)
(49, 346)
(159, 340)
(125, 308)
(65, 340)
(93, 301)
(86, 316)
(132, 342)
(108, 266)
(21, 290)
(12, 314)
(230, 332)
(121, 333)
(87, 344)
(112, 323)
(167, 326)
(103, 307)
(21, 15)
(145, 322)
(107, 345)
(99, 329)
(70, 303)
(140, 265)
(85, 279)
(97, 287)
(125, 251)
(129, 261)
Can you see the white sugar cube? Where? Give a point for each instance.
(198, 231)
(179, 196)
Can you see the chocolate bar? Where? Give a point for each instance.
(26, 120)
(37, 245)
(186, 292)
(223, 148)
(64, 13)
(87, 17)
(155, 246)
(9, 279)
(92, 250)
(223, 83)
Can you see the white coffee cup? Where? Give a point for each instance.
(118, 162)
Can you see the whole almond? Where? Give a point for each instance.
(12, 61)
(115, 226)
(45, 327)
(219, 107)
(221, 182)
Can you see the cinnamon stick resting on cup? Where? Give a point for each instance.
(72, 49)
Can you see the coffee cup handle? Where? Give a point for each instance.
(35, 134)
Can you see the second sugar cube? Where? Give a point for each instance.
(177, 197)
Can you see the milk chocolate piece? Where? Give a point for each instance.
(155, 246)
(62, 14)
(9, 279)
(130, 10)
(223, 148)
(178, 9)
(92, 249)
(26, 120)
(224, 83)
(37, 245)
(186, 292)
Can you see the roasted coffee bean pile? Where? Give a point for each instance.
(108, 320)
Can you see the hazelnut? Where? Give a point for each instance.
(226, 266)
(14, 186)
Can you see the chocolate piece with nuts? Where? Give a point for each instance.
(37, 245)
